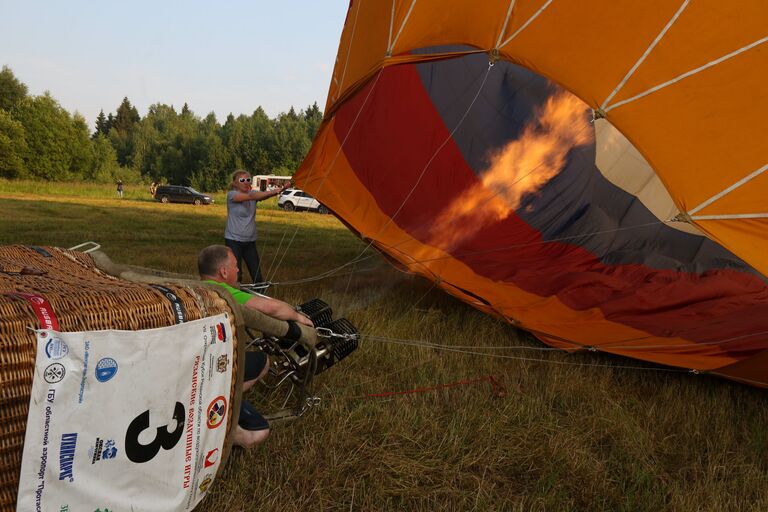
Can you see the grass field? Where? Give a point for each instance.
(558, 432)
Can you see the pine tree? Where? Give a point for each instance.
(127, 116)
(102, 125)
(314, 117)
(125, 121)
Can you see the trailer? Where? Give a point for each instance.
(265, 182)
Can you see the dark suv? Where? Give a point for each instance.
(179, 194)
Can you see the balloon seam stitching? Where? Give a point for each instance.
(647, 52)
(391, 24)
(730, 189)
(687, 74)
(523, 27)
(506, 21)
(400, 31)
(349, 50)
(731, 216)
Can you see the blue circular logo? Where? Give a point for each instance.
(56, 348)
(106, 368)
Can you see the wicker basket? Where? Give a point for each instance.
(83, 297)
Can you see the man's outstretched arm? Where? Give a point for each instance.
(277, 309)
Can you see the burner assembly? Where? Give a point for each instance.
(294, 365)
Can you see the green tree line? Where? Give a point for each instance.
(41, 140)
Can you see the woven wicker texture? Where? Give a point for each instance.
(83, 298)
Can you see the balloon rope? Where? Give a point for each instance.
(453, 348)
(328, 273)
(285, 253)
(461, 350)
(577, 346)
(322, 182)
(410, 193)
(435, 153)
(697, 344)
(528, 244)
(434, 284)
(516, 358)
(360, 257)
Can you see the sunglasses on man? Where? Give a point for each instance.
(244, 180)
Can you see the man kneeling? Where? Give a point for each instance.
(216, 264)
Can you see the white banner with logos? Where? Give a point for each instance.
(127, 420)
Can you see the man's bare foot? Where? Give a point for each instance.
(249, 438)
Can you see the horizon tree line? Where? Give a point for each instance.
(41, 140)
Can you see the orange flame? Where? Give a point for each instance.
(522, 167)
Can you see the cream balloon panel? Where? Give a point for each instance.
(623, 165)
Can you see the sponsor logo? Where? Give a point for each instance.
(212, 457)
(84, 376)
(217, 410)
(221, 333)
(205, 483)
(106, 368)
(51, 396)
(67, 456)
(222, 362)
(64, 508)
(37, 300)
(56, 348)
(54, 373)
(102, 449)
(176, 305)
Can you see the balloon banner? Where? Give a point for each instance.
(127, 420)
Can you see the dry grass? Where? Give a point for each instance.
(563, 437)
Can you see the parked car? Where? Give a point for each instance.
(295, 199)
(179, 194)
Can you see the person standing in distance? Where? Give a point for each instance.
(240, 234)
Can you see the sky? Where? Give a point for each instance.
(232, 56)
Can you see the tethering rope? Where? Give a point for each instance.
(333, 161)
(482, 351)
(478, 351)
(497, 388)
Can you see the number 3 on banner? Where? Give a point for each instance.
(138, 452)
